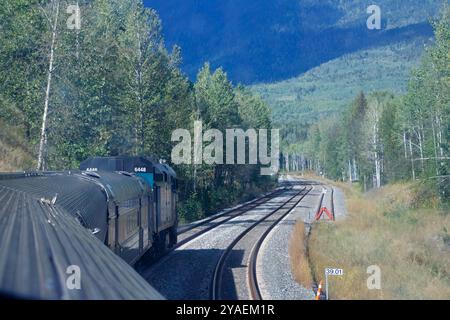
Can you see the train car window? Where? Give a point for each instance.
(125, 173)
(91, 174)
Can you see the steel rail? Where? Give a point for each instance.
(215, 287)
(232, 214)
(252, 274)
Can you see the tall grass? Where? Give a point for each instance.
(298, 252)
(389, 228)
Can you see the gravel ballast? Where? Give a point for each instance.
(274, 268)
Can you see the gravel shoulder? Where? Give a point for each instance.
(185, 274)
(274, 265)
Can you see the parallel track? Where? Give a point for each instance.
(216, 283)
(197, 230)
(193, 232)
(315, 280)
(251, 204)
(252, 274)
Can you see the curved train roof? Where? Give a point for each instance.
(122, 163)
(40, 238)
(118, 187)
(126, 164)
(74, 193)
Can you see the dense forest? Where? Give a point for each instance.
(97, 79)
(383, 138)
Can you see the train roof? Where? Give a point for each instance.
(40, 240)
(74, 193)
(120, 163)
(119, 187)
(126, 164)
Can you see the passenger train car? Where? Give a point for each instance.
(52, 221)
(142, 200)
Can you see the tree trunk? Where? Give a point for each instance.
(350, 171)
(419, 137)
(376, 148)
(140, 84)
(303, 164)
(377, 172)
(412, 160)
(404, 144)
(287, 163)
(435, 146)
(355, 170)
(43, 141)
(441, 148)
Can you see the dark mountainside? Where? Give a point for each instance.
(272, 40)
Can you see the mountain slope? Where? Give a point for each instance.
(328, 88)
(273, 40)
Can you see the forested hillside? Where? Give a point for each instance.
(383, 137)
(306, 58)
(271, 40)
(327, 89)
(111, 86)
(108, 86)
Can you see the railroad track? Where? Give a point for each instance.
(331, 201)
(315, 280)
(186, 235)
(245, 240)
(194, 231)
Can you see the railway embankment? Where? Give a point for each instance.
(395, 244)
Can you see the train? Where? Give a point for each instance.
(128, 203)
(100, 219)
(141, 199)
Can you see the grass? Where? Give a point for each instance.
(389, 228)
(298, 252)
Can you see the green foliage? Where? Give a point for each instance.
(326, 90)
(117, 90)
(382, 138)
(190, 209)
(221, 106)
(22, 70)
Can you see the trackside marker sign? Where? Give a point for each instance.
(331, 272)
(334, 272)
